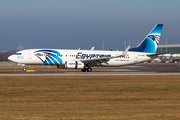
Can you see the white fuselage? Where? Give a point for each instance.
(61, 56)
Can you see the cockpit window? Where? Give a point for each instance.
(18, 53)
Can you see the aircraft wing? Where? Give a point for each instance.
(98, 61)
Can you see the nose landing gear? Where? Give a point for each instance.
(22, 65)
(24, 69)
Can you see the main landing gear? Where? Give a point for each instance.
(86, 69)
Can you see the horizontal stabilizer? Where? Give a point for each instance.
(155, 55)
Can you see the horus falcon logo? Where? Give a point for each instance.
(155, 37)
(49, 57)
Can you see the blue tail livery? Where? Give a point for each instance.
(150, 42)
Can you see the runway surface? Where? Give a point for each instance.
(140, 69)
(88, 74)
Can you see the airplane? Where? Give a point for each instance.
(86, 59)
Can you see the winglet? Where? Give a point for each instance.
(92, 48)
(125, 52)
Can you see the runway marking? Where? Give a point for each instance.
(89, 74)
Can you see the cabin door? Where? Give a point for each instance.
(136, 58)
(29, 55)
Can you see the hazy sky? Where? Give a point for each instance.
(82, 24)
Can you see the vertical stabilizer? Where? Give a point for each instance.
(150, 42)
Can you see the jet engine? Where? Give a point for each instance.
(74, 64)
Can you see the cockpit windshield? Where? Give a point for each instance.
(18, 53)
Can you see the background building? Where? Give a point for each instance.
(172, 49)
(173, 53)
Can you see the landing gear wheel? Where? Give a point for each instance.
(83, 70)
(89, 69)
(24, 69)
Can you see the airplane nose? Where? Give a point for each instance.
(10, 58)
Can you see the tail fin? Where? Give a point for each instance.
(150, 42)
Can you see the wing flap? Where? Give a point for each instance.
(97, 60)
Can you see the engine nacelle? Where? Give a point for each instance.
(74, 65)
